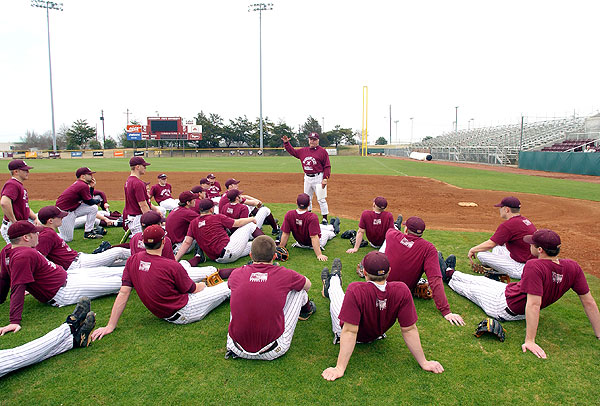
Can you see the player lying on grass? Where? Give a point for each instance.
(545, 280)
(368, 310)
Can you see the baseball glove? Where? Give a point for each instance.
(491, 326)
(360, 270)
(282, 254)
(213, 279)
(500, 277)
(478, 268)
(363, 243)
(348, 234)
(423, 291)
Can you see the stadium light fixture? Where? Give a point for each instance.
(260, 7)
(49, 5)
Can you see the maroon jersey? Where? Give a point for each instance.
(136, 244)
(71, 197)
(209, 232)
(213, 190)
(135, 191)
(258, 294)
(162, 284)
(409, 257)
(25, 269)
(16, 192)
(542, 277)
(55, 248)
(178, 223)
(376, 225)
(314, 160)
(160, 193)
(374, 311)
(235, 211)
(301, 225)
(224, 200)
(511, 233)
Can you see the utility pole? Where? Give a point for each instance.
(103, 133)
(396, 122)
(456, 120)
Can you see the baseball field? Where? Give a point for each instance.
(149, 361)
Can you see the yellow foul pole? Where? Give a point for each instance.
(364, 119)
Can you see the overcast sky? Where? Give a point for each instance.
(495, 60)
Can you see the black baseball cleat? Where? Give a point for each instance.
(325, 278)
(91, 235)
(230, 354)
(200, 254)
(324, 222)
(278, 238)
(82, 336)
(336, 268)
(304, 315)
(275, 231)
(398, 222)
(119, 222)
(451, 261)
(335, 222)
(75, 319)
(100, 230)
(104, 245)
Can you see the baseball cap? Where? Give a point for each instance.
(187, 196)
(231, 182)
(21, 228)
(50, 212)
(137, 160)
(545, 238)
(509, 201)
(205, 204)
(415, 224)
(303, 200)
(18, 164)
(210, 176)
(151, 217)
(84, 171)
(313, 135)
(380, 202)
(204, 181)
(153, 234)
(162, 176)
(233, 193)
(376, 263)
(197, 189)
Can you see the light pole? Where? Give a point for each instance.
(54, 6)
(396, 122)
(323, 127)
(456, 120)
(260, 7)
(411, 129)
(471, 119)
(103, 133)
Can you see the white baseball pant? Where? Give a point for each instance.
(336, 298)
(116, 256)
(196, 273)
(216, 201)
(90, 282)
(55, 342)
(200, 304)
(500, 260)
(291, 310)
(238, 245)
(261, 215)
(134, 224)
(68, 222)
(80, 221)
(311, 183)
(327, 234)
(177, 247)
(169, 204)
(485, 293)
(4, 230)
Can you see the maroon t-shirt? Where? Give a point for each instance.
(314, 160)
(136, 244)
(55, 248)
(542, 277)
(511, 233)
(162, 284)
(160, 193)
(135, 191)
(178, 222)
(71, 197)
(235, 211)
(209, 232)
(258, 294)
(376, 225)
(25, 269)
(374, 311)
(224, 200)
(15, 191)
(301, 225)
(409, 257)
(213, 190)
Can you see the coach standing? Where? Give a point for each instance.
(316, 167)
(137, 201)
(14, 200)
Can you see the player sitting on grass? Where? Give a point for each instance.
(368, 310)
(374, 224)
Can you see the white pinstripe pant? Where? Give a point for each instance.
(68, 222)
(80, 221)
(4, 231)
(485, 293)
(336, 298)
(169, 204)
(261, 215)
(55, 342)
(197, 272)
(238, 245)
(134, 224)
(327, 234)
(291, 310)
(311, 183)
(112, 257)
(500, 260)
(90, 282)
(201, 303)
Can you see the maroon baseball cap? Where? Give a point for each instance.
(18, 164)
(376, 263)
(231, 182)
(137, 160)
(151, 217)
(50, 212)
(187, 196)
(509, 201)
(204, 181)
(162, 176)
(313, 135)
(415, 224)
(303, 200)
(21, 228)
(84, 171)
(205, 204)
(153, 234)
(380, 202)
(197, 189)
(210, 176)
(233, 193)
(545, 238)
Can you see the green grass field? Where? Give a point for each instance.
(149, 361)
